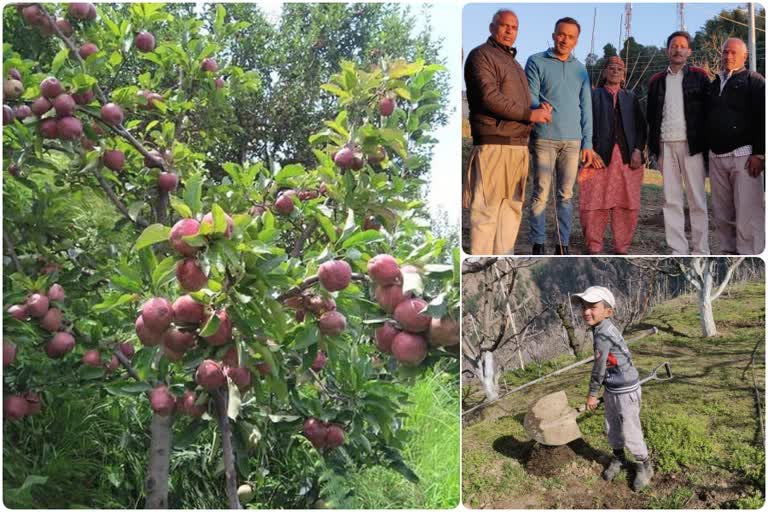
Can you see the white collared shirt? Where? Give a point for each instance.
(726, 75)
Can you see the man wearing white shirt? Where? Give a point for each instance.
(736, 131)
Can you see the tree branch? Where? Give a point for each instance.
(12, 252)
(472, 267)
(220, 399)
(298, 247)
(93, 167)
(727, 278)
(126, 364)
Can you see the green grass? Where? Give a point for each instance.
(81, 447)
(701, 427)
(433, 453)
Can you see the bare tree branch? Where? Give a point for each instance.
(472, 267)
(728, 275)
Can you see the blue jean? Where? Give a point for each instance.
(560, 157)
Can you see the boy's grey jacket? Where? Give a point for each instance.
(613, 363)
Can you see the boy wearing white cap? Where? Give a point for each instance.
(613, 369)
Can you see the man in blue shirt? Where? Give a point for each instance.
(558, 81)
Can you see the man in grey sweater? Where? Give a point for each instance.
(613, 368)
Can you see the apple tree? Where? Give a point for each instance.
(271, 313)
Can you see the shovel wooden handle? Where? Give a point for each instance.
(653, 376)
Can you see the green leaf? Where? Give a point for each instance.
(115, 59)
(153, 234)
(218, 24)
(282, 418)
(110, 25)
(336, 90)
(127, 282)
(113, 302)
(306, 336)
(211, 326)
(164, 272)
(437, 307)
(219, 219)
(401, 69)
(91, 372)
(289, 171)
(438, 270)
(349, 224)
(181, 207)
(193, 191)
(403, 93)
(59, 60)
(327, 225)
(362, 238)
(127, 389)
(148, 260)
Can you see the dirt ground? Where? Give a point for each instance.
(649, 238)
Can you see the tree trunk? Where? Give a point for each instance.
(230, 472)
(573, 340)
(490, 379)
(705, 303)
(156, 482)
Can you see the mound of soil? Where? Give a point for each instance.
(548, 461)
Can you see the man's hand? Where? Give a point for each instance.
(541, 115)
(754, 166)
(591, 159)
(591, 403)
(636, 161)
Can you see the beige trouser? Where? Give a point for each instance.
(498, 173)
(738, 205)
(678, 167)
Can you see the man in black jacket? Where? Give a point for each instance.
(676, 122)
(500, 117)
(736, 130)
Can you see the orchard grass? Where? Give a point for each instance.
(701, 427)
(432, 453)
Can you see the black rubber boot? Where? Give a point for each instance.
(561, 250)
(538, 249)
(618, 462)
(643, 474)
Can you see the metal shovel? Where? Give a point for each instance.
(552, 422)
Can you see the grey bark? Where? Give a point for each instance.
(230, 472)
(156, 481)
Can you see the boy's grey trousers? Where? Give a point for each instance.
(622, 423)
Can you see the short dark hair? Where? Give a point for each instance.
(568, 20)
(679, 33)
